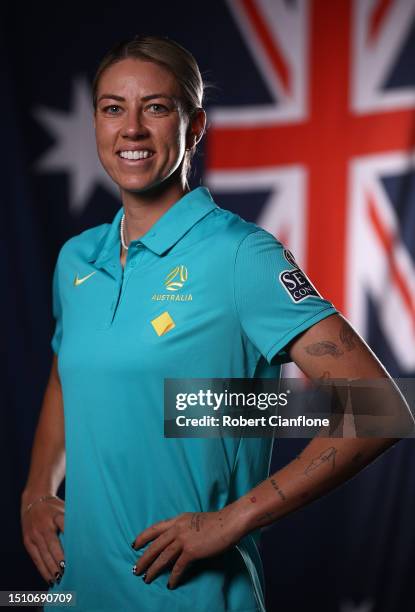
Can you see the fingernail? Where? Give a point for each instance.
(144, 577)
(132, 545)
(62, 565)
(58, 577)
(134, 570)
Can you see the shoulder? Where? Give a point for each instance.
(231, 229)
(82, 244)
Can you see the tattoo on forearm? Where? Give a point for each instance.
(327, 456)
(277, 488)
(325, 347)
(196, 521)
(267, 515)
(347, 338)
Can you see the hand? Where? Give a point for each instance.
(184, 539)
(39, 527)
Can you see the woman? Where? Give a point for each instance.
(174, 287)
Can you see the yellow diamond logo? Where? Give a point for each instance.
(163, 323)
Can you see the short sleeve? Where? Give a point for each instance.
(57, 310)
(274, 299)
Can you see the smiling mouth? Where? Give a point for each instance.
(135, 155)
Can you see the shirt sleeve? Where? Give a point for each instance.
(274, 299)
(57, 310)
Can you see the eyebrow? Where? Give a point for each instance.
(144, 98)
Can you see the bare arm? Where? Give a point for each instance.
(47, 470)
(329, 349)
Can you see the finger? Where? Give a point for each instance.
(49, 561)
(166, 557)
(38, 561)
(154, 551)
(56, 550)
(178, 570)
(152, 532)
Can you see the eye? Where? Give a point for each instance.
(112, 109)
(157, 109)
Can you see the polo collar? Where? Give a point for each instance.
(165, 232)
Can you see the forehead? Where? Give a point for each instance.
(138, 77)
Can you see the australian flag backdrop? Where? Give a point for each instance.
(311, 134)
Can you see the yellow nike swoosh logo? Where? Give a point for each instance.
(79, 281)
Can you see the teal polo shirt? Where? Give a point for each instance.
(204, 294)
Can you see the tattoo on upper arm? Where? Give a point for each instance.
(327, 456)
(328, 347)
(346, 336)
(325, 347)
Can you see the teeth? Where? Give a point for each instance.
(135, 154)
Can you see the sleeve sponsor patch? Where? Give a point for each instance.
(295, 282)
(290, 258)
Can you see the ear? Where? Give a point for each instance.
(196, 128)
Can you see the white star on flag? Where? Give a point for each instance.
(74, 151)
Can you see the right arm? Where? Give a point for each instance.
(47, 470)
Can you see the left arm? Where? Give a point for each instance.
(329, 349)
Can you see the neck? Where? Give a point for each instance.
(143, 209)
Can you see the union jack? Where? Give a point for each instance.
(339, 127)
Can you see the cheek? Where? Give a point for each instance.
(104, 139)
(100, 143)
(173, 148)
(105, 152)
(178, 143)
(178, 136)
(103, 155)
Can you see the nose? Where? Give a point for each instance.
(134, 126)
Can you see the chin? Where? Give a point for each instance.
(135, 184)
(142, 184)
(148, 186)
